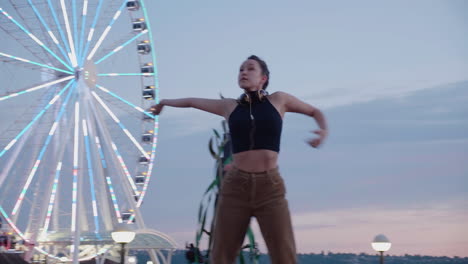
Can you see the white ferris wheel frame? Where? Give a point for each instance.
(74, 48)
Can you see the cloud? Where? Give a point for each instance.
(362, 92)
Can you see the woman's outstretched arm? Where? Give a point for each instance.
(214, 106)
(293, 104)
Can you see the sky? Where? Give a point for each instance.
(390, 77)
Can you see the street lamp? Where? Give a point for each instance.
(123, 235)
(132, 260)
(381, 244)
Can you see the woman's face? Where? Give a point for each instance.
(251, 77)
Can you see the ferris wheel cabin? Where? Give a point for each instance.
(140, 179)
(147, 137)
(133, 5)
(148, 92)
(143, 160)
(147, 68)
(139, 25)
(144, 47)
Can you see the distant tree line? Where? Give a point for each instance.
(332, 258)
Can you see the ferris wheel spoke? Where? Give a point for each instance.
(124, 129)
(119, 159)
(24, 15)
(74, 216)
(109, 181)
(69, 34)
(91, 176)
(75, 168)
(35, 63)
(106, 31)
(11, 223)
(75, 28)
(51, 102)
(124, 74)
(139, 109)
(53, 194)
(90, 34)
(121, 46)
(33, 37)
(54, 188)
(84, 15)
(49, 31)
(59, 27)
(41, 154)
(40, 86)
(124, 168)
(116, 158)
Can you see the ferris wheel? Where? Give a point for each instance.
(77, 143)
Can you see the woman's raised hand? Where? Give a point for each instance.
(156, 109)
(316, 142)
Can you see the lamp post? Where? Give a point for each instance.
(123, 235)
(381, 244)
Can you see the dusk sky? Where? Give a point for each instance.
(391, 78)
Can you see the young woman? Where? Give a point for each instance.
(253, 186)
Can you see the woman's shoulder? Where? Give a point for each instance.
(278, 99)
(278, 96)
(283, 96)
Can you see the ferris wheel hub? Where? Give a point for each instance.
(78, 73)
(88, 73)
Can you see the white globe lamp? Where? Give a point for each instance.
(123, 235)
(381, 244)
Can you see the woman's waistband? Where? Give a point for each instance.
(269, 172)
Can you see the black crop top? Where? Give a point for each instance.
(255, 126)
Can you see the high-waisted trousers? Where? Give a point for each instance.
(244, 195)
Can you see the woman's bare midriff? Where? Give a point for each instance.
(255, 160)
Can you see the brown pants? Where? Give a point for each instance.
(261, 195)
